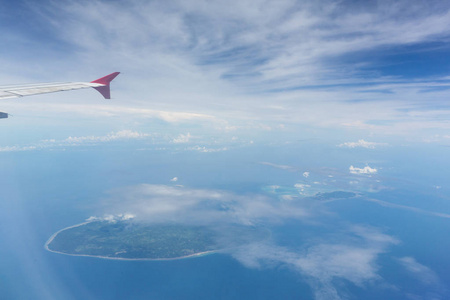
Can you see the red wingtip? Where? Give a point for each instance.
(104, 90)
(106, 79)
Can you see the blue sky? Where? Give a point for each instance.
(244, 102)
(376, 68)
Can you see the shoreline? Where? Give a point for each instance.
(119, 258)
(61, 230)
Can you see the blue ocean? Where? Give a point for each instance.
(389, 242)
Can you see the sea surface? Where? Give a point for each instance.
(44, 191)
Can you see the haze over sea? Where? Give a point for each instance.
(249, 113)
(390, 235)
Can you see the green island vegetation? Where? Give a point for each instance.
(132, 240)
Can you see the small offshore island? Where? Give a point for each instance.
(127, 240)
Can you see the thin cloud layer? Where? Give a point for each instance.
(110, 111)
(349, 252)
(421, 272)
(162, 203)
(114, 136)
(354, 259)
(122, 135)
(212, 34)
(362, 143)
(311, 63)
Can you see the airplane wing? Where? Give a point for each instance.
(101, 85)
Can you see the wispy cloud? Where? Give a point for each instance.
(421, 272)
(348, 252)
(406, 207)
(109, 111)
(245, 60)
(362, 143)
(396, 205)
(162, 203)
(353, 259)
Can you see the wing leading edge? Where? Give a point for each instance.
(102, 85)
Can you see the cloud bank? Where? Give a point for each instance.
(122, 135)
(365, 170)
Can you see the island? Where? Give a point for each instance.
(129, 240)
(335, 195)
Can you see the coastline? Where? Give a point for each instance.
(119, 258)
(56, 233)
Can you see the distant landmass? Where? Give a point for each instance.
(335, 195)
(125, 239)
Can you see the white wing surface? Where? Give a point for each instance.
(28, 90)
(102, 85)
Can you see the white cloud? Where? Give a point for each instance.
(182, 138)
(78, 141)
(423, 273)
(362, 143)
(207, 150)
(365, 170)
(17, 148)
(328, 261)
(183, 49)
(353, 259)
(348, 253)
(109, 111)
(119, 135)
(306, 174)
(162, 203)
(301, 186)
(175, 179)
(112, 218)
